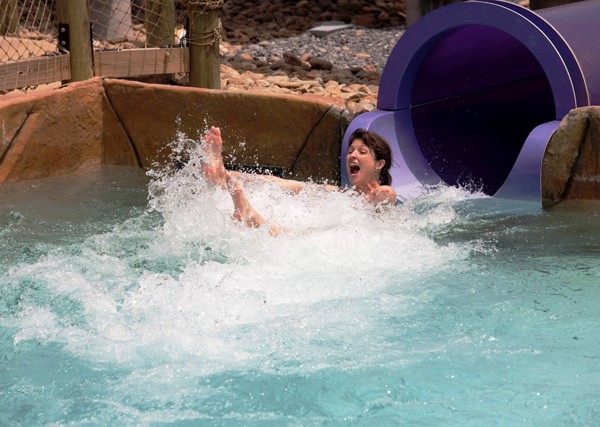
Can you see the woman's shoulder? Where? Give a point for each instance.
(384, 194)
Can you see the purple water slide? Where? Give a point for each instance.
(473, 91)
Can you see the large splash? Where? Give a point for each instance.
(128, 302)
(184, 280)
(180, 291)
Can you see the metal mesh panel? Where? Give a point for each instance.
(29, 33)
(27, 29)
(127, 24)
(127, 33)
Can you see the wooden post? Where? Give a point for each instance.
(9, 17)
(204, 37)
(413, 12)
(75, 13)
(416, 9)
(160, 22)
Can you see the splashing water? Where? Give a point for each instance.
(133, 302)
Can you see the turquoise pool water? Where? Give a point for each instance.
(126, 301)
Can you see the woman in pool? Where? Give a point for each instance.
(368, 161)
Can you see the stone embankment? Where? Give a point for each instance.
(267, 48)
(337, 67)
(249, 22)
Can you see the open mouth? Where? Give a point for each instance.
(354, 169)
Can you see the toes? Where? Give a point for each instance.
(213, 136)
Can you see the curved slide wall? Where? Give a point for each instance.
(472, 93)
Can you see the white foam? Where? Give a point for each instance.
(203, 288)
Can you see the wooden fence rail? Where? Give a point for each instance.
(76, 59)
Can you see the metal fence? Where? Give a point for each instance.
(125, 38)
(135, 24)
(29, 44)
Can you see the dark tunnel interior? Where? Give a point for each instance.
(477, 95)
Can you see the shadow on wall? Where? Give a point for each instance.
(102, 121)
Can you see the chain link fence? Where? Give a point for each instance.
(129, 24)
(28, 31)
(31, 52)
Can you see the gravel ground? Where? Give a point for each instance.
(344, 66)
(355, 47)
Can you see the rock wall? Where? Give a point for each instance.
(84, 125)
(52, 133)
(571, 165)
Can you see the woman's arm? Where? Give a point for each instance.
(290, 185)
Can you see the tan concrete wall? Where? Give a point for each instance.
(302, 137)
(52, 133)
(87, 124)
(102, 121)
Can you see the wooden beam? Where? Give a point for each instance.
(75, 13)
(138, 62)
(204, 40)
(34, 71)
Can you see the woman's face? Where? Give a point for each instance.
(361, 165)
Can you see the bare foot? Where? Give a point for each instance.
(213, 167)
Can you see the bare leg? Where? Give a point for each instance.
(215, 171)
(243, 210)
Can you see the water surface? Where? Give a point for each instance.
(130, 300)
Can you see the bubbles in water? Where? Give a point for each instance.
(196, 284)
(180, 313)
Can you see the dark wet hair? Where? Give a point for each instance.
(381, 149)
